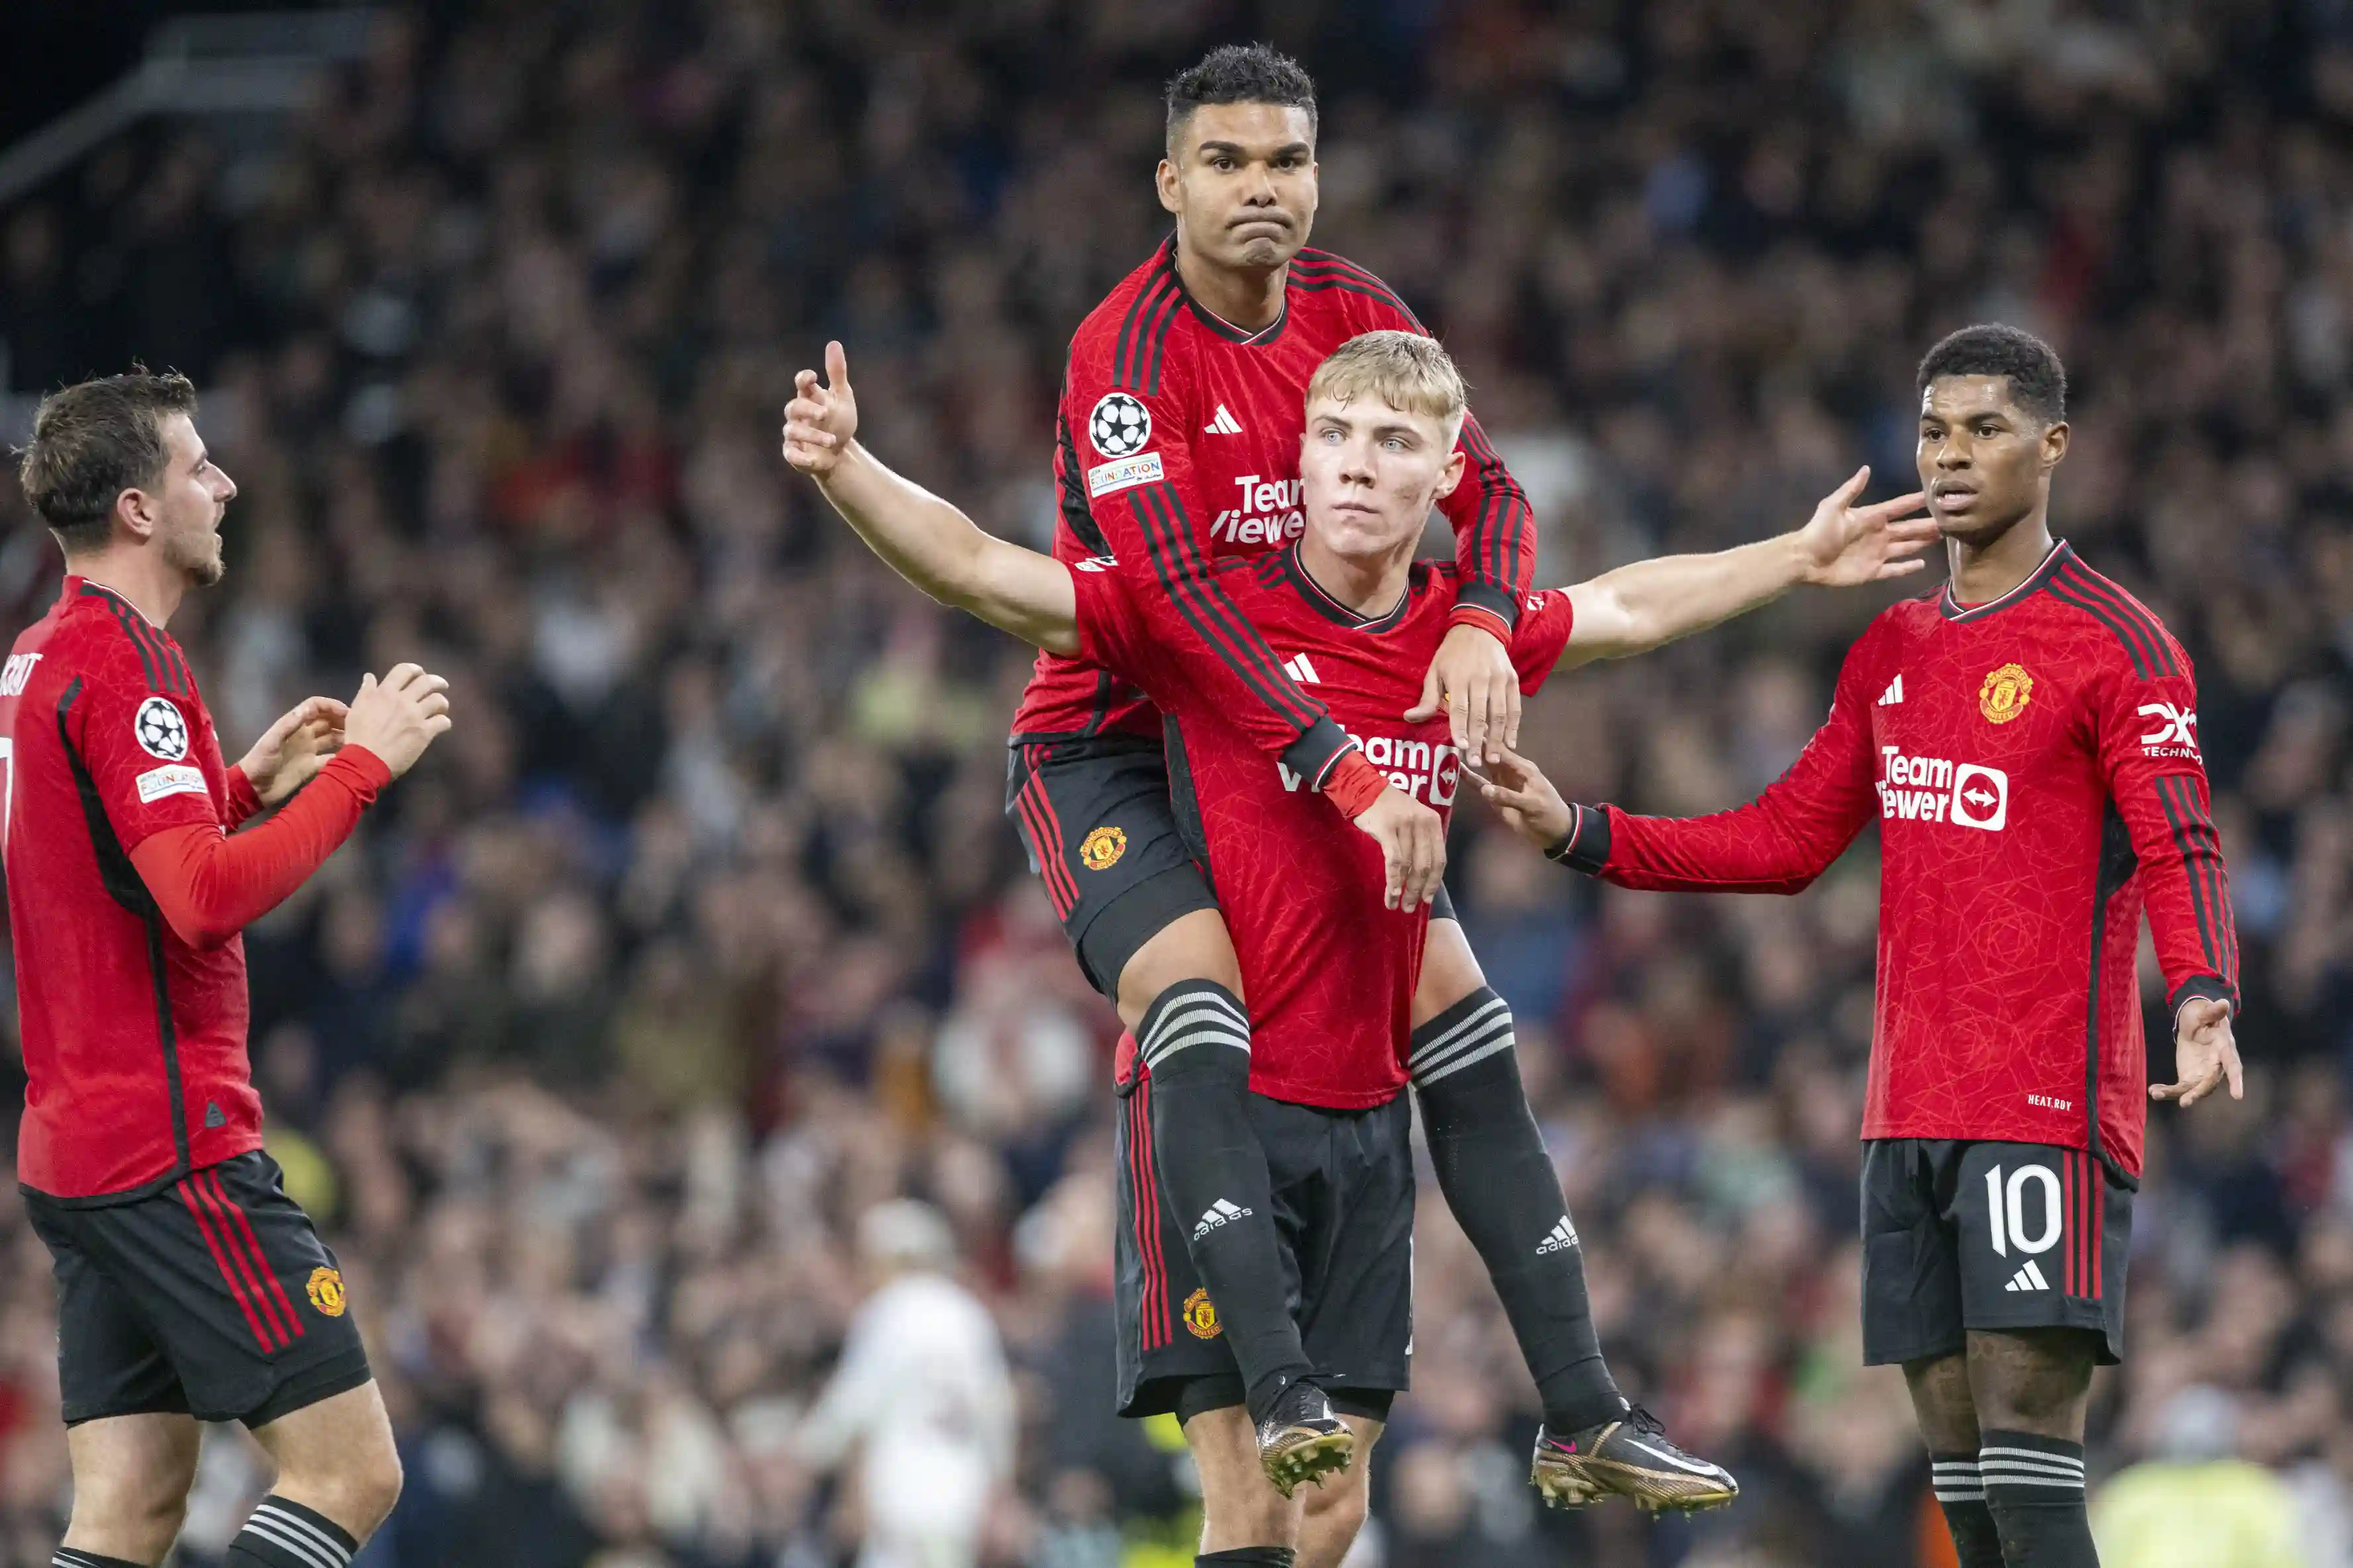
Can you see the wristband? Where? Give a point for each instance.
(1481, 617)
(1353, 784)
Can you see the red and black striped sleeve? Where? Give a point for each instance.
(1494, 529)
(2146, 715)
(1127, 426)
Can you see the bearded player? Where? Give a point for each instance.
(1177, 443)
(2028, 741)
(1329, 958)
(190, 1287)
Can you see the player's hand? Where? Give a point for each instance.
(1845, 545)
(1413, 846)
(397, 717)
(1474, 678)
(1526, 800)
(820, 421)
(292, 751)
(2205, 1053)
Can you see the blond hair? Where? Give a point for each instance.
(1407, 371)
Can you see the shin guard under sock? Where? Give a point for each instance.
(1500, 1186)
(283, 1534)
(1193, 1040)
(2034, 1486)
(1961, 1494)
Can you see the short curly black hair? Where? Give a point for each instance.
(2037, 382)
(1240, 73)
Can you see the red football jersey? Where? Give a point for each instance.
(135, 1041)
(1328, 970)
(2034, 768)
(1177, 443)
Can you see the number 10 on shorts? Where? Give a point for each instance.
(2006, 1202)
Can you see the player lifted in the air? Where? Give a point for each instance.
(190, 1287)
(1177, 440)
(2027, 741)
(1328, 961)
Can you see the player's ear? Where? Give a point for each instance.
(134, 509)
(2054, 444)
(1171, 186)
(1457, 461)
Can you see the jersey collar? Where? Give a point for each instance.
(1952, 609)
(1210, 319)
(1331, 609)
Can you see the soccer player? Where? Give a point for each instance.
(1329, 960)
(1178, 442)
(190, 1287)
(2027, 742)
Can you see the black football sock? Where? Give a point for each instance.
(1961, 1494)
(1247, 1557)
(2035, 1485)
(74, 1557)
(1500, 1186)
(1195, 1041)
(283, 1534)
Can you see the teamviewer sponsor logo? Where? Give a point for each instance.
(1937, 789)
(1266, 511)
(1427, 770)
(1217, 1216)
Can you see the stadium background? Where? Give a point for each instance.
(702, 932)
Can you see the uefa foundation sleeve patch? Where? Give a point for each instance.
(176, 779)
(1105, 478)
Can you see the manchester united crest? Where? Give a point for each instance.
(326, 1291)
(1201, 1316)
(1103, 849)
(2005, 694)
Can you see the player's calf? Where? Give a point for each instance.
(1948, 1421)
(338, 1477)
(2030, 1388)
(1247, 1523)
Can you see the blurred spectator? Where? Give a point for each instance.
(921, 1393)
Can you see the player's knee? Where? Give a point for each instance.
(357, 1489)
(1193, 946)
(137, 1517)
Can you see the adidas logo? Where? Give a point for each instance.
(1300, 670)
(2028, 1279)
(1225, 423)
(1220, 1213)
(1894, 694)
(1563, 1237)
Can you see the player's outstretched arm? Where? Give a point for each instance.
(923, 538)
(1778, 842)
(1636, 609)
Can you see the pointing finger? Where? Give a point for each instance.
(837, 367)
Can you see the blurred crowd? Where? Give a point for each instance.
(701, 935)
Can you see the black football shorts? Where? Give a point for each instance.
(214, 1298)
(1342, 1182)
(1096, 817)
(1960, 1236)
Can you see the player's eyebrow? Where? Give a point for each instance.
(1236, 150)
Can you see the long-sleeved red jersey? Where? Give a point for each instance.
(1329, 970)
(2033, 764)
(1176, 443)
(124, 900)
